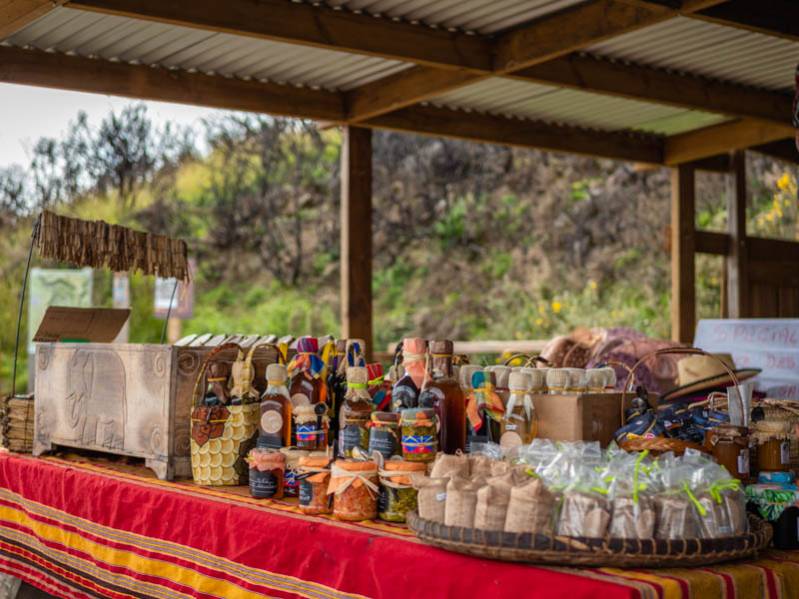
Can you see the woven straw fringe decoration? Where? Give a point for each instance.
(100, 245)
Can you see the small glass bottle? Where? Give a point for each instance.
(520, 425)
(444, 394)
(275, 424)
(311, 426)
(476, 427)
(405, 393)
(355, 412)
(305, 385)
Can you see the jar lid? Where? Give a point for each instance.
(519, 381)
(502, 375)
(355, 466)
(385, 417)
(315, 461)
(404, 466)
(414, 345)
(423, 416)
(467, 370)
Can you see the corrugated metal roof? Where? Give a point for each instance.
(709, 49)
(509, 97)
(480, 16)
(144, 42)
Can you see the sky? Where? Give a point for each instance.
(28, 113)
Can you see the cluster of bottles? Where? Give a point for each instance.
(332, 400)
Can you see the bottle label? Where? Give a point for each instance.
(306, 492)
(351, 437)
(262, 484)
(441, 496)
(299, 399)
(743, 461)
(785, 453)
(382, 441)
(510, 439)
(418, 444)
(271, 422)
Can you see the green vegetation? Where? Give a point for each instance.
(471, 241)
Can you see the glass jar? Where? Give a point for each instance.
(310, 426)
(355, 412)
(267, 468)
(314, 477)
(290, 483)
(419, 436)
(354, 486)
(397, 494)
(384, 434)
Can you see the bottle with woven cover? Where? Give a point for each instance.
(444, 394)
(355, 412)
(275, 423)
(519, 425)
(405, 393)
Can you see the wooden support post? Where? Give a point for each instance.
(356, 235)
(683, 246)
(737, 260)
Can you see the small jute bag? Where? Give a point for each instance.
(492, 502)
(431, 500)
(530, 509)
(461, 501)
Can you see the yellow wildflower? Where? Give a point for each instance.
(556, 306)
(784, 182)
(592, 284)
(539, 321)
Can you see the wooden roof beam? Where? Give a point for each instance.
(316, 26)
(47, 69)
(636, 82)
(778, 18)
(718, 139)
(487, 128)
(544, 39)
(16, 14)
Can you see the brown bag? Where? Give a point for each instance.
(676, 518)
(432, 497)
(461, 501)
(531, 508)
(481, 465)
(492, 503)
(446, 466)
(633, 520)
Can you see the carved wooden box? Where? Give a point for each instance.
(125, 399)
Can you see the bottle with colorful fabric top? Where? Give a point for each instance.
(444, 394)
(405, 393)
(419, 435)
(305, 370)
(484, 408)
(476, 427)
(355, 413)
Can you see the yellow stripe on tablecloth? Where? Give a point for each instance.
(151, 566)
(671, 588)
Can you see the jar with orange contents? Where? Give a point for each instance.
(354, 487)
(313, 474)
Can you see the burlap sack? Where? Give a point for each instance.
(480, 465)
(432, 497)
(492, 502)
(530, 509)
(584, 515)
(631, 520)
(446, 466)
(461, 501)
(499, 467)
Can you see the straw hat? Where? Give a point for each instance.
(699, 373)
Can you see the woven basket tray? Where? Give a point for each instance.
(577, 551)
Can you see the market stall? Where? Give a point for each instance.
(175, 539)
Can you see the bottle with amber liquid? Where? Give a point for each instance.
(275, 424)
(444, 394)
(355, 413)
(305, 370)
(405, 392)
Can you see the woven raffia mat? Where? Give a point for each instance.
(100, 245)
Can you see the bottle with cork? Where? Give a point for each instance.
(275, 423)
(305, 370)
(444, 394)
(355, 413)
(519, 425)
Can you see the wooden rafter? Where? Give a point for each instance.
(317, 26)
(595, 74)
(15, 14)
(46, 69)
(771, 17)
(710, 141)
(524, 133)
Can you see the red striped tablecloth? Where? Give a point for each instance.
(81, 529)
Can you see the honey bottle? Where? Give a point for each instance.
(444, 394)
(519, 424)
(275, 424)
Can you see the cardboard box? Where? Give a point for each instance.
(583, 417)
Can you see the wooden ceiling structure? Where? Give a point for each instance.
(663, 82)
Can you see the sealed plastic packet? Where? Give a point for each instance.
(631, 486)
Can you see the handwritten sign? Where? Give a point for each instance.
(771, 344)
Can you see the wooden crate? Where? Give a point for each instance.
(124, 399)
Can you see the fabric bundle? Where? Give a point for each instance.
(101, 245)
